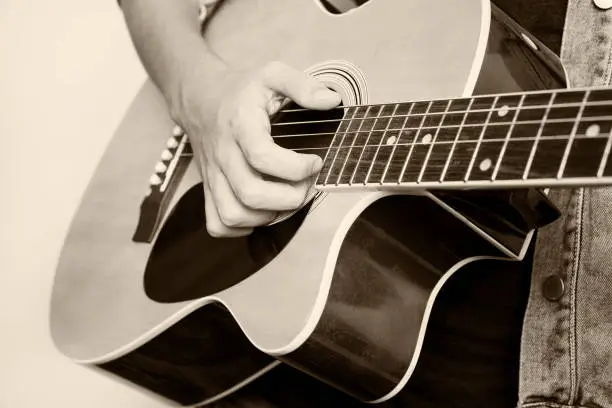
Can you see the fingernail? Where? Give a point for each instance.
(327, 96)
(317, 165)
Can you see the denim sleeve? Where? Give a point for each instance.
(566, 347)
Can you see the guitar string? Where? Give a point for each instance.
(436, 143)
(430, 165)
(430, 114)
(582, 136)
(451, 142)
(478, 125)
(579, 91)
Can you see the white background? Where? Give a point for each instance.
(67, 74)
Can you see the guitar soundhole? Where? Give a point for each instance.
(187, 263)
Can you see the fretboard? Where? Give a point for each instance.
(539, 138)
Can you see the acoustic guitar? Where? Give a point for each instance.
(454, 121)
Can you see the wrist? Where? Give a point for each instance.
(195, 81)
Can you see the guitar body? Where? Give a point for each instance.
(342, 289)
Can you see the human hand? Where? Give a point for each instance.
(248, 178)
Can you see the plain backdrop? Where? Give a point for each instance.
(67, 74)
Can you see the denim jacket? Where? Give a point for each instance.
(566, 350)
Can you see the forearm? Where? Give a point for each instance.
(166, 36)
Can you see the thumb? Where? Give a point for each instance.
(300, 87)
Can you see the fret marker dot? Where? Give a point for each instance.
(485, 164)
(503, 111)
(426, 139)
(391, 140)
(593, 130)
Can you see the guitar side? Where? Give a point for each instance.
(100, 275)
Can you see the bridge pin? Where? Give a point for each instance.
(177, 131)
(160, 167)
(155, 180)
(166, 155)
(172, 143)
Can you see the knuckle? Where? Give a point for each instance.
(235, 124)
(296, 199)
(215, 232)
(269, 217)
(297, 171)
(215, 229)
(274, 104)
(244, 123)
(251, 196)
(231, 217)
(223, 155)
(303, 168)
(259, 156)
(305, 86)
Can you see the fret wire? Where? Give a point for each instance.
(338, 149)
(460, 128)
(538, 136)
(433, 142)
(365, 181)
(507, 138)
(561, 105)
(417, 133)
(399, 135)
(572, 135)
(353, 143)
(329, 149)
(330, 146)
(482, 132)
(604, 159)
(365, 145)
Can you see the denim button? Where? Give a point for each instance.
(603, 4)
(553, 287)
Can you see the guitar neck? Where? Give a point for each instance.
(541, 139)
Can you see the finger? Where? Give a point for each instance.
(232, 212)
(265, 156)
(256, 193)
(214, 226)
(302, 88)
(269, 158)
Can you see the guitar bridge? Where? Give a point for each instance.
(168, 173)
